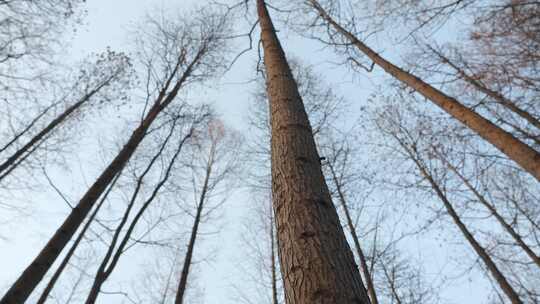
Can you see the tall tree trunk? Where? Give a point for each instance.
(507, 103)
(521, 153)
(195, 229)
(363, 263)
(34, 273)
(480, 251)
(506, 226)
(10, 161)
(316, 261)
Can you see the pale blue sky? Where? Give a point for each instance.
(107, 24)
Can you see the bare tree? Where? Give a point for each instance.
(338, 155)
(516, 150)
(260, 256)
(492, 209)
(391, 123)
(314, 253)
(477, 84)
(65, 261)
(115, 252)
(107, 74)
(403, 283)
(217, 148)
(190, 54)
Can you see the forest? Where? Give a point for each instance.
(270, 151)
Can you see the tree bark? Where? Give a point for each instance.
(34, 273)
(317, 263)
(521, 153)
(507, 103)
(363, 263)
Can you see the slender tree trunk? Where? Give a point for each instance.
(195, 229)
(34, 273)
(521, 153)
(480, 251)
(102, 271)
(509, 229)
(507, 103)
(363, 263)
(47, 130)
(23, 158)
(28, 127)
(45, 294)
(316, 261)
(273, 267)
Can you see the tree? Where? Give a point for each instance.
(498, 97)
(338, 154)
(403, 283)
(65, 261)
(323, 108)
(492, 209)
(96, 84)
(521, 153)
(216, 149)
(114, 252)
(316, 261)
(390, 122)
(190, 56)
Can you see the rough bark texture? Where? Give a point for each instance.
(363, 263)
(521, 153)
(316, 261)
(480, 251)
(34, 273)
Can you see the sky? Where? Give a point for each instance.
(107, 24)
